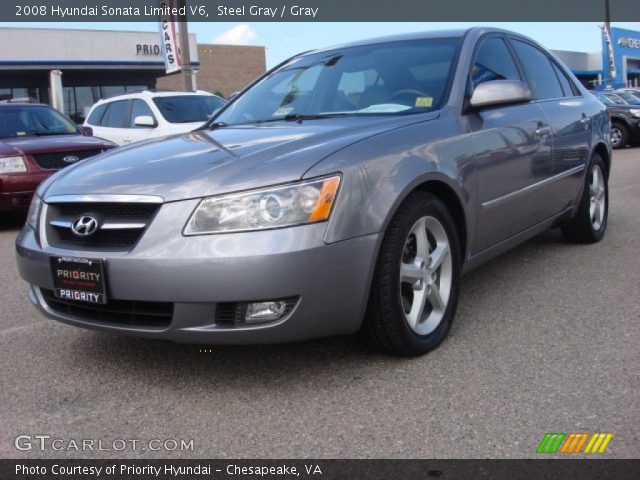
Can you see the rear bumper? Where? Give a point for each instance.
(16, 190)
(331, 282)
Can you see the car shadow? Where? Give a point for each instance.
(228, 365)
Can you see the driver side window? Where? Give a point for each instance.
(494, 62)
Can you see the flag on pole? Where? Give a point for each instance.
(169, 38)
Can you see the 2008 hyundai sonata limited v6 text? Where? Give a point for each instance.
(346, 190)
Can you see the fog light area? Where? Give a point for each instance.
(265, 311)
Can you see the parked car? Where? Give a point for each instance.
(150, 114)
(625, 119)
(635, 91)
(345, 190)
(36, 141)
(628, 97)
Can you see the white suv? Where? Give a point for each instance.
(147, 114)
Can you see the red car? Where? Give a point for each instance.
(35, 142)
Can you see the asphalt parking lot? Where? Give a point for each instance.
(546, 340)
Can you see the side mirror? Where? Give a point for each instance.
(499, 92)
(144, 121)
(88, 131)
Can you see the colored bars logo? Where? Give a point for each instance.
(573, 443)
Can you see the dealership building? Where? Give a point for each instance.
(98, 64)
(591, 68)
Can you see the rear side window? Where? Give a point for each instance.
(187, 108)
(116, 115)
(494, 62)
(96, 114)
(544, 82)
(567, 86)
(139, 108)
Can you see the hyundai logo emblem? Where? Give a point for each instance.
(84, 225)
(71, 159)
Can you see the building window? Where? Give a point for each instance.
(29, 92)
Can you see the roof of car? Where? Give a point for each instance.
(153, 93)
(4, 103)
(454, 33)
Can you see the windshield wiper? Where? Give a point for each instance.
(292, 117)
(212, 126)
(299, 117)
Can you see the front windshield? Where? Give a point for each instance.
(187, 108)
(384, 79)
(25, 121)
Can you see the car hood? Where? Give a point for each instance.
(210, 162)
(52, 143)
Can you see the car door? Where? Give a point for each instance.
(569, 118)
(115, 122)
(513, 152)
(135, 132)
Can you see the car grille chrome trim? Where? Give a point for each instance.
(104, 198)
(104, 226)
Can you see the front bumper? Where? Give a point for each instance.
(331, 281)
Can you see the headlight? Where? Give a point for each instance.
(635, 112)
(12, 165)
(294, 204)
(34, 212)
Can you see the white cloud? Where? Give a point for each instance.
(241, 34)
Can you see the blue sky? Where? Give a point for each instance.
(286, 39)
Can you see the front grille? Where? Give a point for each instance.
(61, 215)
(55, 160)
(119, 312)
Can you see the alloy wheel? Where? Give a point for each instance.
(597, 197)
(616, 136)
(426, 273)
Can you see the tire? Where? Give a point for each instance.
(590, 222)
(395, 323)
(619, 135)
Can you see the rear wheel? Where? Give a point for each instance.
(590, 223)
(414, 292)
(619, 135)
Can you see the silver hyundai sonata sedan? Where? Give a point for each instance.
(346, 190)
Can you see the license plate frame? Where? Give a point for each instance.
(79, 279)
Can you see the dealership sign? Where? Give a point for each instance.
(629, 42)
(169, 39)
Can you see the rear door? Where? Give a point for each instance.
(513, 152)
(569, 118)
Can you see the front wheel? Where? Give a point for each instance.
(590, 223)
(414, 293)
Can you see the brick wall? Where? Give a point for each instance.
(224, 68)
